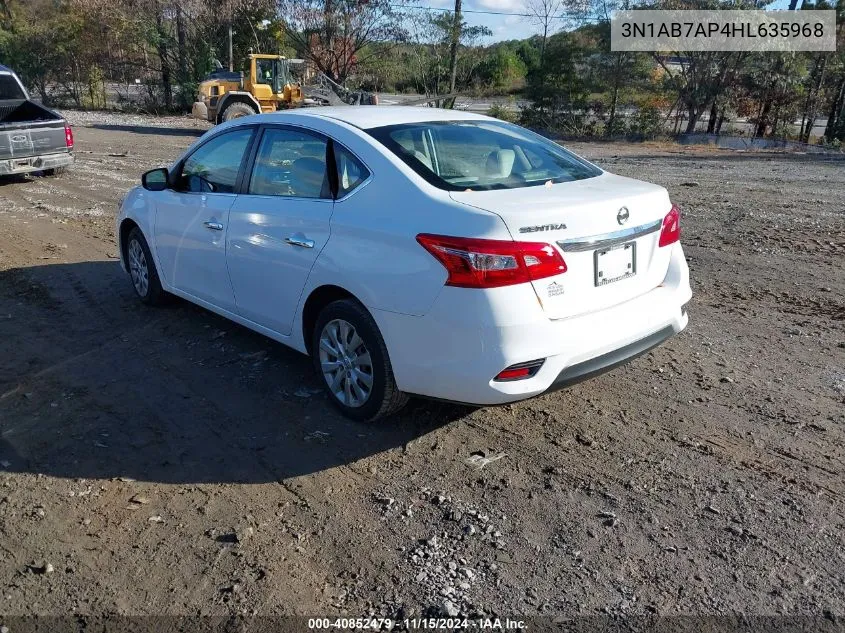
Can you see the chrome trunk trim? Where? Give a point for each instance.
(605, 240)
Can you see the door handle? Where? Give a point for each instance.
(296, 240)
(216, 226)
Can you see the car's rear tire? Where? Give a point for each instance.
(351, 359)
(55, 172)
(237, 110)
(142, 270)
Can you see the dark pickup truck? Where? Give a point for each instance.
(32, 137)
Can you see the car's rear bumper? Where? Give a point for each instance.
(35, 163)
(600, 364)
(467, 338)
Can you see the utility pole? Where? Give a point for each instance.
(231, 57)
(453, 52)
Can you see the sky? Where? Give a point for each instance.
(508, 27)
(504, 27)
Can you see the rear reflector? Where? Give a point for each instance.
(68, 137)
(671, 230)
(477, 263)
(520, 371)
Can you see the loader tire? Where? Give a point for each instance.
(237, 110)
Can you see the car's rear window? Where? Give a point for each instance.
(481, 155)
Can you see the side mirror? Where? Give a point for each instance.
(155, 179)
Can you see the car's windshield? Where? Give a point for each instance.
(481, 155)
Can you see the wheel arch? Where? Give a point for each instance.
(319, 298)
(126, 226)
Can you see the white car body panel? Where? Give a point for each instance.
(267, 273)
(446, 355)
(192, 257)
(444, 342)
(587, 208)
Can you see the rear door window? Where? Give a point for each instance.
(290, 163)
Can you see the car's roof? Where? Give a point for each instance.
(367, 117)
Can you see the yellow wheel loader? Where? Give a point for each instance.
(267, 86)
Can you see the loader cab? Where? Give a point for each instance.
(269, 75)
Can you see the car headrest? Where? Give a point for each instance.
(500, 163)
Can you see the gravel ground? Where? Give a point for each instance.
(166, 461)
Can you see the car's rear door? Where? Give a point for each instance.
(193, 217)
(279, 224)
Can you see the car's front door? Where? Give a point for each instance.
(279, 225)
(192, 218)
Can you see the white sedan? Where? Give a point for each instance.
(412, 251)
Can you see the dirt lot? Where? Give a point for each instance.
(165, 461)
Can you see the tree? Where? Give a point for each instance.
(503, 69)
(455, 40)
(432, 38)
(559, 92)
(698, 79)
(618, 69)
(544, 13)
(332, 34)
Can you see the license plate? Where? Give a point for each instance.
(615, 263)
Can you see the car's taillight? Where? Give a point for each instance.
(671, 231)
(477, 263)
(68, 137)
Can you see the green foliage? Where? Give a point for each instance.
(151, 55)
(647, 123)
(559, 92)
(502, 112)
(615, 127)
(503, 70)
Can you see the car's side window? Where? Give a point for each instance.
(350, 171)
(214, 167)
(290, 163)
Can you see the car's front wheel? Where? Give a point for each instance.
(350, 355)
(142, 269)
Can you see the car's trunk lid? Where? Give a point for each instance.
(612, 255)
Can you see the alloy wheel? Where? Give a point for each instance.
(138, 268)
(346, 363)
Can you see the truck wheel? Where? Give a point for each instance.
(56, 171)
(236, 111)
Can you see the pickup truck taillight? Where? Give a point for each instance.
(671, 230)
(68, 137)
(477, 263)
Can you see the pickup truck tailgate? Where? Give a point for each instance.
(31, 139)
